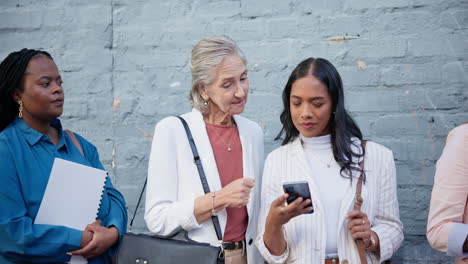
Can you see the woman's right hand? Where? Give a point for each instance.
(280, 213)
(236, 193)
(86, 237)
(102, 239)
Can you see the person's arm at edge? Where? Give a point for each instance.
(445, 230)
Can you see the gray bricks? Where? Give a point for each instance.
(125, 66)
(363, 4)
(265, 8)
(399, 74)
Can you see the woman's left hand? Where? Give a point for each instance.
(103, 239)
(360, 227)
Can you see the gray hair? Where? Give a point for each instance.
(207, 54)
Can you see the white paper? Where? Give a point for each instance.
(72, 197)
(77, 260)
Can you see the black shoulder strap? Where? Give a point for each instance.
(201, 172)
(357, 197)
(138, 204)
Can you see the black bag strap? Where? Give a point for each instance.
(201, 172)
(357, 205)
(138, 204)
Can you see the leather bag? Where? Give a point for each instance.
(174, 248)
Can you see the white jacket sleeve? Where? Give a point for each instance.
(387, 224)
(271, 189)
(164, 213)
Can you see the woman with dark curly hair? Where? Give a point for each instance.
(31, 137)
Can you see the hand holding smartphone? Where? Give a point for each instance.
(297, 189)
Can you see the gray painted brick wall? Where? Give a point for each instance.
(125, 66)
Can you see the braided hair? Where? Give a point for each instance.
(12, 71)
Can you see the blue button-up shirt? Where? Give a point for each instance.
(26, 159)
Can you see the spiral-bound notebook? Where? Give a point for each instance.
(72, 196)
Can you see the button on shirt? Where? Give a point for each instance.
(26, 161)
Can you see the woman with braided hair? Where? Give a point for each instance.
(31, 137)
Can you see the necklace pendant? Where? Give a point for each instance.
(229, 148)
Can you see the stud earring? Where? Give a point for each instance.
(20, 113)
(205, 103)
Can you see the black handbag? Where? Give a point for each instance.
(176, 247)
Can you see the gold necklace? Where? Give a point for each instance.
(228, 145)
(326, 164)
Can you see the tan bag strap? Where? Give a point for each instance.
(357, 206)
(75, 141)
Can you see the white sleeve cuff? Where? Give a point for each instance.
(456, 239)
(385, 243)
(188, 221)
(270, 258)
(164, 218)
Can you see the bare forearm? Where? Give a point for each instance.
(375, 247)
(86, 238)
(204, 205)
(114, 234)
(274, 240)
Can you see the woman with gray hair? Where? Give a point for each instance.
(231, 152)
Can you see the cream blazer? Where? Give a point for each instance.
(306, 234)
(174, 182)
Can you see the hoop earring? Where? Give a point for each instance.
(20, 113)
(205, 103)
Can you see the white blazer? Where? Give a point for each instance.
(306, 234)
(174, 182)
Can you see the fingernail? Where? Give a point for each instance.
(69, 254)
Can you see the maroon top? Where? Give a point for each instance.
(227, 150)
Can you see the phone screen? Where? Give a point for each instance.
(296, 190)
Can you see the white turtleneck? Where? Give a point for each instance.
(331, 185)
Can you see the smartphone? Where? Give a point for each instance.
(297, 189)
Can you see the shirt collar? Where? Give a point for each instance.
(320, 142)
(33, 136)
(58, 125)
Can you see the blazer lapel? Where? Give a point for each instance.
(198, 129)
(347, 202)
(303, 172)
(246, 143)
